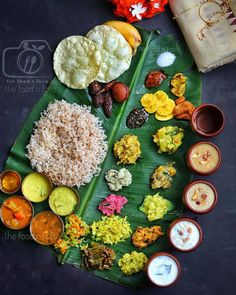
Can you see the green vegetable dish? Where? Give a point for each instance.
(155, 207)
(168, 139)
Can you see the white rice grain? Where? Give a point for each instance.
(68, 144)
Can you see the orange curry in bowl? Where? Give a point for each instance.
(46, 228)
(16, 212)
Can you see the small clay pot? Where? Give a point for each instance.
(186, 202)
(189, 220)
(163, 254)
(207, 120)
(189, 162)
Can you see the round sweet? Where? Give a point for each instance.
(115, 51)
(76, 62)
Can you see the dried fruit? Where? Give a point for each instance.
(154, 78)
(136, 118)
(98, 100)
(95, 87)
(120, 92)
(107, 105)
(107, 87)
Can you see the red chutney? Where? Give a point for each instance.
(16, 212)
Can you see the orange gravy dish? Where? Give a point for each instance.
(46, 228)
(16, 212)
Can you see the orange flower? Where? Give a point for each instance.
(135, 10)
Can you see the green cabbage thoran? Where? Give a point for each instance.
(132, 263)
(168, 139)
(155, 207)
(111, 230)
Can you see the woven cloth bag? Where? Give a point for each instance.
(209, 27)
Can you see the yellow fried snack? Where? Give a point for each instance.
(148, 100)
(178, 84)
(167, 108)
(158, 103)
(152, 109)
(76, 62)
(163, 118)
(162, 97)
(116, 53)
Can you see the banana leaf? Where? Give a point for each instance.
(115, 127)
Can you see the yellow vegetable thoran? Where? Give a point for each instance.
(132, 263)
(162, 176)
(127, 149)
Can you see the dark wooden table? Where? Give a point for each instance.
(25, 269)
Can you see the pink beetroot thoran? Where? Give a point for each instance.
(112, 204)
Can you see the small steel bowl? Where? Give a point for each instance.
(32, 209)
(189, 220)
(35, 238)
(44, 175)
(77, 195)
(207, 120)
(1, 177)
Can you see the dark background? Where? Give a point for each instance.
(25, 269)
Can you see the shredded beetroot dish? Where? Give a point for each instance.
(112, 204)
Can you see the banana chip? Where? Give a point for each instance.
(158, 103)
(115, 51)
(148, 100)
(76, 62)
(167, 108)
(162, 97)
(152, 109)
(163, 118)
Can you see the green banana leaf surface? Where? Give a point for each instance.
(91, 194)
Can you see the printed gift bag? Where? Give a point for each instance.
(209, 27)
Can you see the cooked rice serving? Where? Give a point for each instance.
(68, 144)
